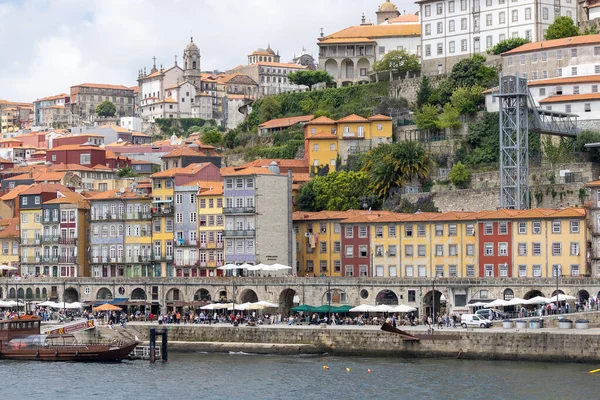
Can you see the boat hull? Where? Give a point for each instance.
(71, 353)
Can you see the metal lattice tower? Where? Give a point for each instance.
(518, 115)
(514, 142)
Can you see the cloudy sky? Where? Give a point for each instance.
(49, 45)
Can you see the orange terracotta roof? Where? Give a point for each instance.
(116, 194)
(9, 228)
(182, 151)
(565, 80)
(58, 96)
(282, 65)
(18, 177)
(353, 118)
(593, 184)
(346, 40)
(171, 172)
(70, 167)
(211, 189)
(101, 167)
(39, 188)
(301, 177)
(569, 213)
(68, 147)
(50, 176)
(285, 122)
(116, 128)
(102, 86)
(282, 163)
(236, 97)
(570, 97)
(556, 43)
(377, 31)
(69, 197)
(380, 117)
(13, 194)
(323, 120)
(139, 134)
(248, 171)
(5, 160)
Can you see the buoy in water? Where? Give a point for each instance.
(347, 369)
(325, 367)
(368, 371)
(594, 371)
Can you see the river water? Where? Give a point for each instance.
(238, 376)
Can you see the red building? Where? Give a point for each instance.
(494, 235)
(75, 154)
(83, 138)
(356, 254)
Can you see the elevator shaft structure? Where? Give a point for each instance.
(519, 115)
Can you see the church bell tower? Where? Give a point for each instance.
(191, 63)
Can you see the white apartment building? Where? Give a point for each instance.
(456, 29)
(563, 74)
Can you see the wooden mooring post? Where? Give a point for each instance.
(163, 344)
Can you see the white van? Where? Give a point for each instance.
(474, 320)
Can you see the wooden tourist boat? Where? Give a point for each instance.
(20, 339)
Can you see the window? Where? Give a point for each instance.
(503, 228)
(556, 270)
(556, 249)
(488, 249)
(440, 27)
(349, 270)
(523, 60)
(421, 230)
(427, 50)
(502, 17)
(392, 250)
(555, 226)
(84, 159)
(522, 228)
(408, 230)
(463, 45)
(451, 25)
(463, 5)
(597, 50)
(408, 271)
(440, 49)
(422, 270)
(542, 90)
(470, 230)
(537, 270)
(470, 250)
(428, 10)
(439, 230)
(337, 265)
(381, 49)
(536, 249)
(439, 250)
(392, 231)
(574, 270)
(587, 107)
(363, 251)
(440, 8)
(574, 226)
(348, 232)
(574, 248)
(537, 227)
(528, 13)
(545, 13)
(452, 271)
(451, 6)
(323, 247)
(463, 24)
(594, 88)
(522, 271)
(349, 251)
(332, 147)
(515, 16)
(488, 229)
(488, 41)
(452, 250)
(574, 52)
(362, 232)
(488, 20)
(502, 249)
(567, 108)
(421, 250)
(559, 73)
(439, 270)
(452, 230)
(489, 269)
(451, 47)
(337, 247)
(574, 71)
(470, 271)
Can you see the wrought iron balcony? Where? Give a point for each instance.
(49, 239)
(136, 216)
(239, 233)
(185, 243)
(67, 240)
(160, 212)
(239, 210)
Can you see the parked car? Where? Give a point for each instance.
(490, 314)
(474, 320)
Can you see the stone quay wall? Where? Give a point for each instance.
(531, 345)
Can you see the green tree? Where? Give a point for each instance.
(193, 129)
(309, 78)
(424, 92)
(590, 30)
(126, 172)
(450, 117)
(155, 168)
(212, 137)
(390, 166)
(459, 175)
(585, 137)
(507, 45)
(468, 99)
(400, 61)
(231, 139)
(397, 203)
(427, 118)
(269, 108)
(106, 109)
(466, 73)
(338, 191)
(562, 27)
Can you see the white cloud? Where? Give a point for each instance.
(50, 45)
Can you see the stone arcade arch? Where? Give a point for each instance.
(70, 295)
(173, 295)
(248, 296)
(138, 294)
(508, 294)
(202, 295)
(429, 301)
(583, 295)
(286, 301)
(37, 293)
(21, 293)
(104, 294)
(387, 297)
(533, 293)
(363, 66)
(331, 67)
(12, 293)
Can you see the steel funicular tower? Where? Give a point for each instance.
(518, 116)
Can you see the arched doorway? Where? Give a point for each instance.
(559, 291)
(12, 293)
(173, 295)
(533, 293)
(433, 302)
(1, 292)
(222, 295)
(44, 293)
(29, 293)
(363, 66)
(138, 294)
(70, 295)
(332, 68)
(286, 301)
(37, 293)
(386, 297)
(21, 293)
(583, 296)
(248, 296)
(347, 69)
(202, 295)
(508, 294)
(104, 294)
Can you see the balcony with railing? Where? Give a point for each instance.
(139, 259)
(107, 260)
(67, 260)
(211, 245)
(67, 240)
(240, 233)
(30, 260)
(358, 149)
(239, 210)
(186, 243)
(160, 212)
(106, 217)
(31, 241)
(353, 135)
(50, 259)
(136, 216)
(185, 263)
(50, 220)
(210, 264)
(49, 239)
(162, 257)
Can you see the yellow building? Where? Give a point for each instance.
(327, 140)
(9, 243)
(162, 221)
(210, 228)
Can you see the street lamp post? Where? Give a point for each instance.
(329, 301)
(556, 268)
(433, 301)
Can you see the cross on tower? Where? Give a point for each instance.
(175, 59)
(154, 58)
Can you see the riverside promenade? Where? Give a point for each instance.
(544, 344)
